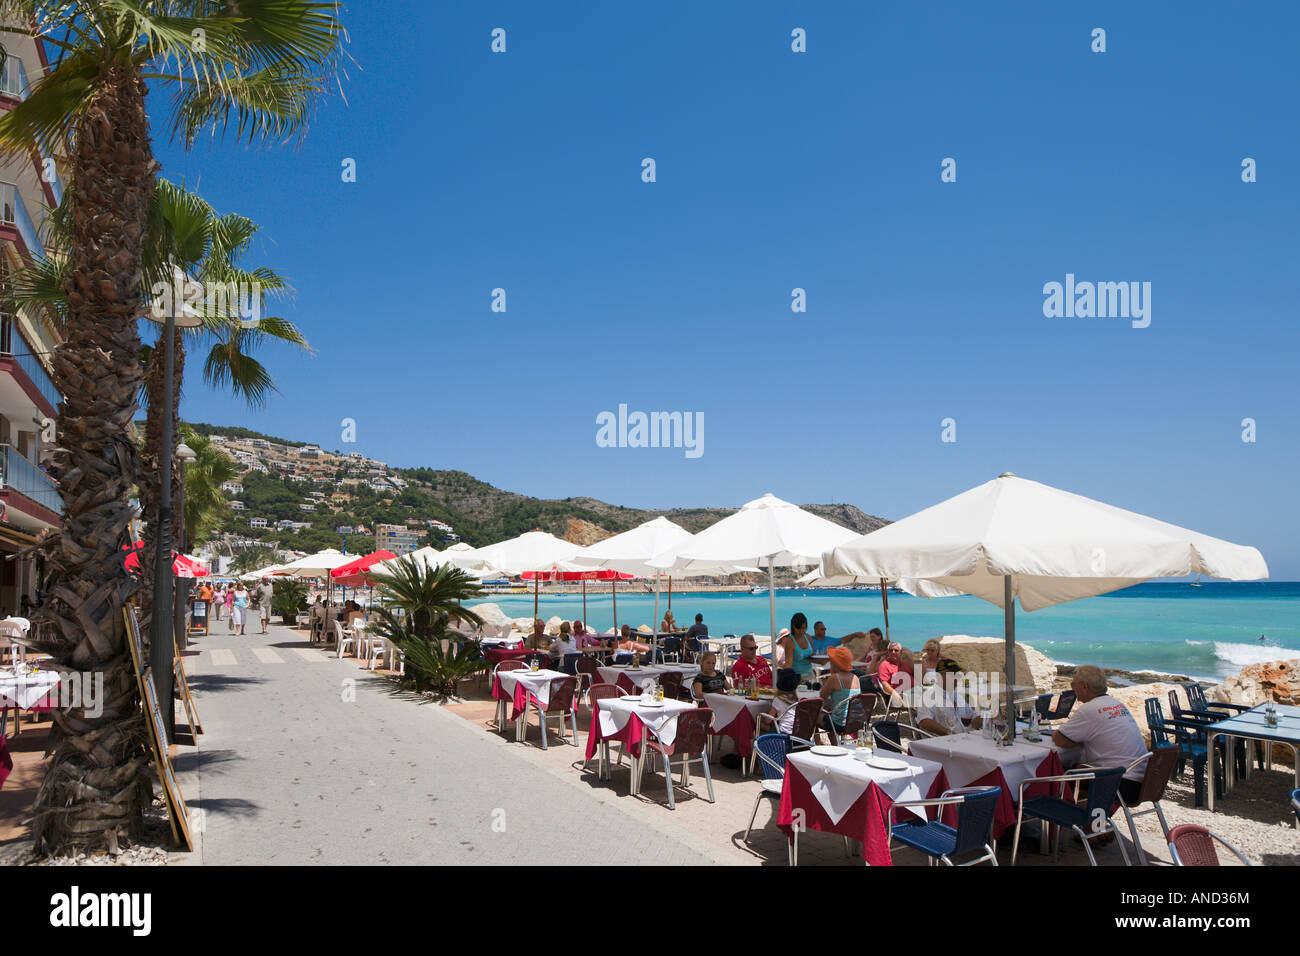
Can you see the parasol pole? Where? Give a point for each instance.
(613, 590)
(771, 609)
(584, 602)
(1009, 624)
(884, 599)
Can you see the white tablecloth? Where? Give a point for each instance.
(839, 782)
(537, 683)
(615, 712)
(26, 690)
(639, 676)
(725, 708)
(502, 641)
(967, 757)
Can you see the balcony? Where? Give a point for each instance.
(20, 475)
(13, 213)
(14, 345)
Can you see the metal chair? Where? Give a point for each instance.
(501, 704)
(1211, 712)
(586, 670)
(1191, 740)
(1192, 845)
(1103, 788)
(857, 716)
(977, 807)
(600, 691)
(1295, 803)
(1160, 764)
(888, 734)
(771, 751)
(671, 682)
(807, 715)
(1064, 704)
(558, 707)
(689, 745)
(671, 650)
(540, 658)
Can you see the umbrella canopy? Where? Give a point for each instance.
(350, 575)
(183, 566)
(632, 550)
(558, 573)
(1012, 537)
(767, 531)
(532, 551)
(260, 573)
(316, 565)
(1056, 546)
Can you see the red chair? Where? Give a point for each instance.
(588, 675)
(1192, 845)
(689, 745)
(671, 682)
(597, 692)
(807, 717)
(558, 707)
(1160, 764)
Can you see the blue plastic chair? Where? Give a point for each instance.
(1089, 821)
(771, 751)
(1295, 803)
(1190, 737)
(937, 840)
(1211, 712)
(1064, 704)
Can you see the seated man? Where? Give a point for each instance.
(538, 641)
(938, 712)
(750, 665)
(822, 643)
(1105, 729)
(585, 638)
(693, 634)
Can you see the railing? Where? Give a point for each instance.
(13, 78)
(14, 343)
(13, 212)
(25, 478)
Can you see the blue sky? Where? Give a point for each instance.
(778, 170)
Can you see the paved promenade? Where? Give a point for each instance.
(308, 759)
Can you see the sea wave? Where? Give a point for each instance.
(1244, 654)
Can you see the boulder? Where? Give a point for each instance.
(645, 629)
(490, 613)
(987, 655)
(1278, 681)
(1135, 698)
(553, 626)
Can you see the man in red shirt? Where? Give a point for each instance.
(751, 665)
(890, 674)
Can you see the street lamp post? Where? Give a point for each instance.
(161, 648)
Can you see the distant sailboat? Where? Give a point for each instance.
(1197, 582)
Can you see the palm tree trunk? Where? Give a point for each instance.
(96, 783)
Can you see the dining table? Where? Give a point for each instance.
(1253, 725)
(972, 760)
(630, 721)
(521, 687)
(23, 690)
(631, 678)
(850, 792)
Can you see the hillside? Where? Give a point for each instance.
(321, 491)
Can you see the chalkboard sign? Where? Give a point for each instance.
(162, 760)
(134, 639)
(199, 616)
(183, 691)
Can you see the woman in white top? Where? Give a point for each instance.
(564, 643)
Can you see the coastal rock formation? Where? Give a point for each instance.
(987, 655)
(579, 531)
(1258, 683)
(553, 625)
(490, 613)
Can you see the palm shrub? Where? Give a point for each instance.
(421, 601)
(289, 599)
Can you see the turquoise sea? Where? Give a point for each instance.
(1211, 631)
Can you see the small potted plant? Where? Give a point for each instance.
(288, 599)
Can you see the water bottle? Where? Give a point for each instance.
(1032, 733)
(1270, 714)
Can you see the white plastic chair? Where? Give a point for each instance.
(343, 637)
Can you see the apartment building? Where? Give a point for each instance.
(29, 188)
(396, 538)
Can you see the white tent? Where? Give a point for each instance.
(260, 573)
(1012, 537)
(767, 531)
(317, 565)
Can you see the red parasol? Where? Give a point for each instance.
(182, 566)
(351, 575)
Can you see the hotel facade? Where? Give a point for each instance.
(29, 499)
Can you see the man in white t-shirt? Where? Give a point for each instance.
(1105, 729)
(938, 711)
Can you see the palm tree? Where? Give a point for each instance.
(254, 66)
(184, 233)
(205, 504)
